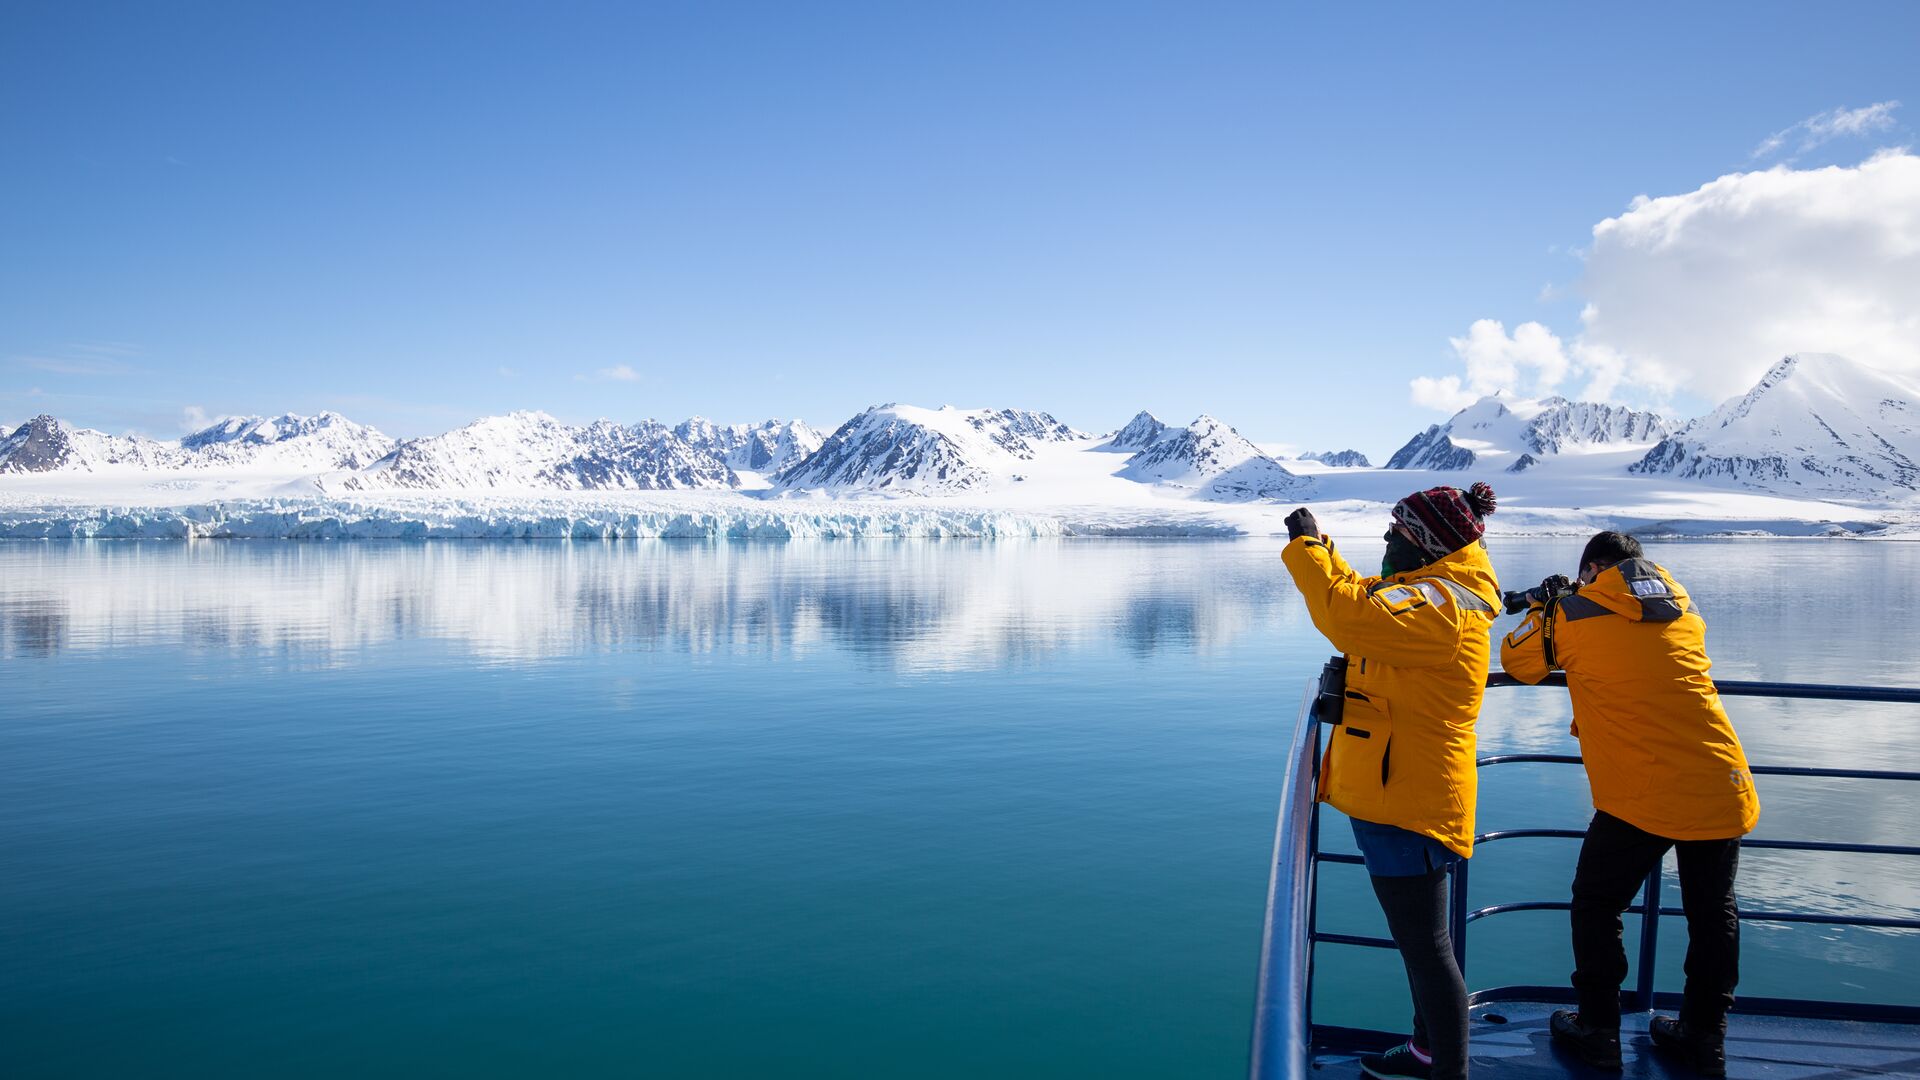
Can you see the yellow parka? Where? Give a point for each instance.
(1417, 650)
(1661, 754)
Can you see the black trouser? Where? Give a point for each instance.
(1416, 910)
(1614, 861)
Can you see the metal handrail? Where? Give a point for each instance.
(1650, 909)
(1783, 845)
(1283, 1028)
(1757, 770)
(1741, 688)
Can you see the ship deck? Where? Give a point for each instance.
(1509, 1041)
(1775, 1038)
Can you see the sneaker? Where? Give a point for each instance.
(1399, 1063)
(1705, 1053)
(1598, 1047)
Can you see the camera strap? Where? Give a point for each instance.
(1546, 631)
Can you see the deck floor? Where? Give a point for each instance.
(1516, 1046)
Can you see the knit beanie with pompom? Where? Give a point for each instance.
(1443, 520)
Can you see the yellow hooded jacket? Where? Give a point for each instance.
(1417, 653)
(1661, 754)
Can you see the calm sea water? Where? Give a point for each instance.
(815, 809)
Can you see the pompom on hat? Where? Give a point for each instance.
(1443, 520)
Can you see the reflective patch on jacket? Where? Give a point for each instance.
(1651, 586)
(1470, 600)
(1399, 599)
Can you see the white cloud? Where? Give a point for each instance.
(1531, 362)
(67, 365)
(1703, 291)
(1444, 393)
(1824, 127)
(508, 373)
(1532, 358)
(194, 418)
(616, 373)
(1707, 289)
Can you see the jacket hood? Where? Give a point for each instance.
(1639, 589)
(1469, 567)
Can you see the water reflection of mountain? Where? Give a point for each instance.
(940, 606)
(918, 606)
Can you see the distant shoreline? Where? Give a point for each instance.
(466, 516)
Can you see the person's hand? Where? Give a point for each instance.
(1300, 523)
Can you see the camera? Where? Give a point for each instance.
(1553, 588)
(1331, 699)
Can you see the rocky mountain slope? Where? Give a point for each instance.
(1139, 433)
(765, 447)
(904, 449)
(1339, 459)
(1514, 434)
(532, 450)
(1815, 424)
(1213, 458)
(44, 444)
(289, 441)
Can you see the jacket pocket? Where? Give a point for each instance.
(1357, 760)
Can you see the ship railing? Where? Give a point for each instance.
(1285, 1037)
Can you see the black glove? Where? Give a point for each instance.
(1300, 523)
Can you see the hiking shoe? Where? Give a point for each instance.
(1399, 1063)
(1705, 1053)
(1598, 1047)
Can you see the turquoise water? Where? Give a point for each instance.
(815, 809)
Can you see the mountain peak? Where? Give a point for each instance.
(899, 448)
(768, 446)
(532, 450)
(1815, 424)
(292, 442)
(1211, 456)
(1140, 432)
(1499, 430)
(1339, 459)
(46, 443)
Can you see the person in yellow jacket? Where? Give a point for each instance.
(1666, 770)
(1400, 764)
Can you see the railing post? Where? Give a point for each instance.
(1649, 942)
(1313, 869)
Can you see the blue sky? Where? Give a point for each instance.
(417, 214)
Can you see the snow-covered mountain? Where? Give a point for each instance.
(1214, 459)
(1816, 428)
(1339, 459)
(1514, 434)
(1141, 432)
(765, 447)
(287, 444)
(44, 444)
(646, 456)
(1815, 424)
(296, 443)
(906, 449)
(531, 450)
